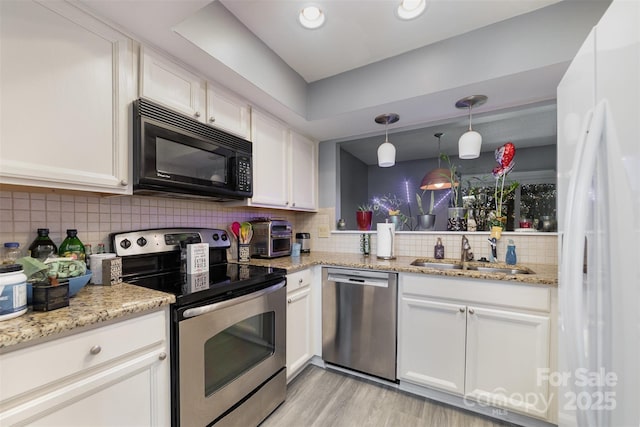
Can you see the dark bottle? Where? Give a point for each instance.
(72, 246)
(43, 247)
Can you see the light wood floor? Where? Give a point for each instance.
(325, 398)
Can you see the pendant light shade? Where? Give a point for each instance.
(470, 142)
(386, 155)
(437, 179)
(469, 145)
(386, 151)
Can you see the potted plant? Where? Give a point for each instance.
(390, 205)
(426, 221)
(457, 215)
(364, 214)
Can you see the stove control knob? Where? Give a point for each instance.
(216, 237)
(141, 241)
(125, 244)
(224, 237)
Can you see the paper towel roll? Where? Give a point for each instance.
(386, 239)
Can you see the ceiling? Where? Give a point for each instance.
(361, 32)
(331, 82)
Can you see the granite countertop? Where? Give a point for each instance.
(92, 305)
(543, 274)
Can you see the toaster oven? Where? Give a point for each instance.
(271, 238)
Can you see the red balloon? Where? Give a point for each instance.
(508, 152)
(504, 156)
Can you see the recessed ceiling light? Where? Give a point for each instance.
(409, 9)
(311, 17)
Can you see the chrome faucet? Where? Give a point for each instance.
(493, 242)
(465, 253)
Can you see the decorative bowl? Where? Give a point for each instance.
(77, 283)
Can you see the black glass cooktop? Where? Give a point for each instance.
(221, 282)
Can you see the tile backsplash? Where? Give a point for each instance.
(22, 213)
(538, 248)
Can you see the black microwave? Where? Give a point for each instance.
(174, 154)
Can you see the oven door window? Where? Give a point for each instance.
(184, 161)
(281, 245)
(237, 349)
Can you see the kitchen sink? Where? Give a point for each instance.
(421, 262)
(437, 265)
(501, 270)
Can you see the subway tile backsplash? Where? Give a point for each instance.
(22, 213)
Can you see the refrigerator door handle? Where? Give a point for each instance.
(571, 274)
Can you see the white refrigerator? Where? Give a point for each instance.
(599, 226)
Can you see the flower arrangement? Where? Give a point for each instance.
(391, 204)
(504, 156)
(388, 203)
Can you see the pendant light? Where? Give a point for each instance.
(386, 151)
(470, 142)
(437, 179)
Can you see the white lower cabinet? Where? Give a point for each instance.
(300, 323)
(432, 325)
(483, 341)
(505, 350)
(117, 374)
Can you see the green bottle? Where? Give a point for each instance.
(43, 247)
(72, 246)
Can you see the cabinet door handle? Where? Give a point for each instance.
(297, 297)
(461, 309)
(197, 114)
(212, 119)
(300, 281)
(95, 349)
(471, 311)
(162, 356)
(124, 183)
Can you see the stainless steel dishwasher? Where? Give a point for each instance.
(359, 310)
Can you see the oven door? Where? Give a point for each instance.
(227, 350)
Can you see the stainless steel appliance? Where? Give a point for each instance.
(305, 242)
(228, 326)
(271, 238)
(359, 319)
(177, 155)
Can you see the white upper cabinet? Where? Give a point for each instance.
(228, 112)
(67, 83)
(304, 172)
(270, 161)
(285, 166)
(166, 82)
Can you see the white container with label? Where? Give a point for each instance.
(13, 291)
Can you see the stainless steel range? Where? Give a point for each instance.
(228, 326)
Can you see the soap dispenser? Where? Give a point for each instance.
(511, 257)
(438, 249)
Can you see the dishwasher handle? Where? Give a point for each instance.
(359, 280)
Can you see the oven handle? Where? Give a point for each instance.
(199, 311)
